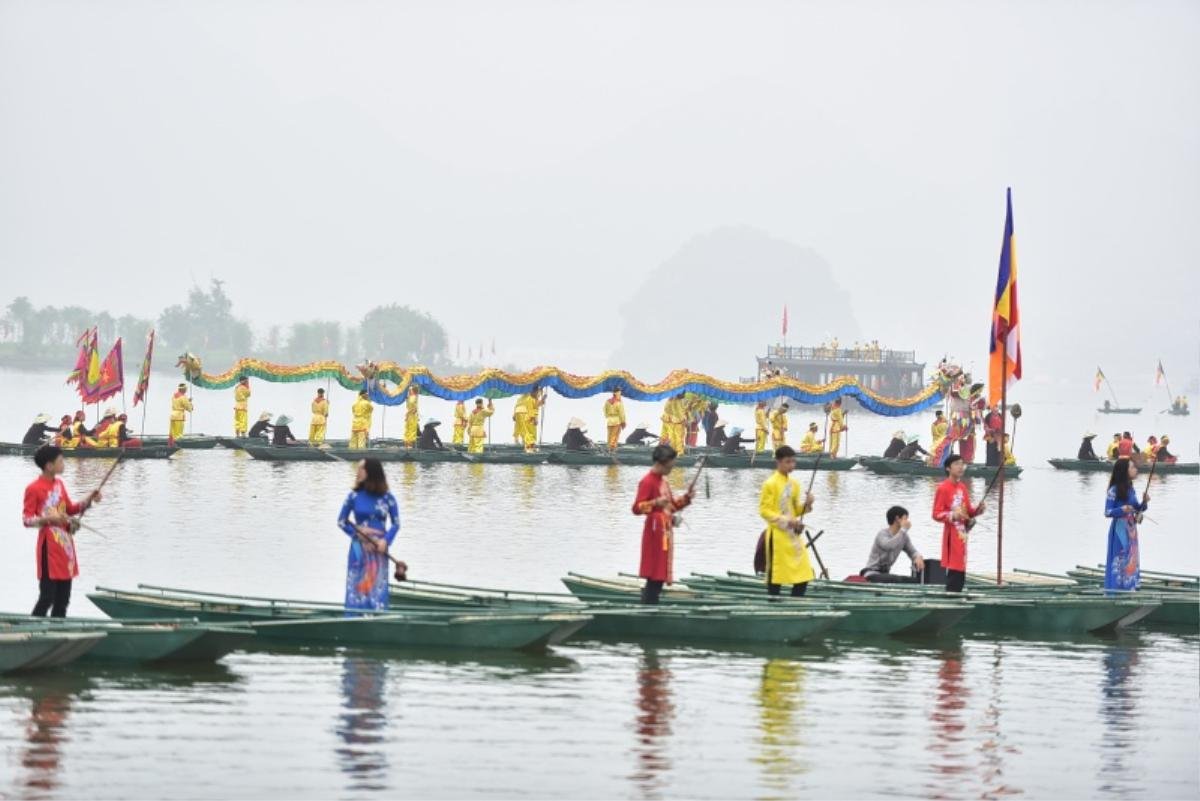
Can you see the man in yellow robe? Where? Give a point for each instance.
(520, 417)
(360, 420)
(761, 426)
(412, 417)
(107, 431)
(614, 418)
(810, 443)
(460, 423)
(674, 428)
(783, 504)
(320, 418)
(779, 426)
(937, 431)
(533, 405)
(837, 424)
(181, 404)
(477, 432)
(241, 407)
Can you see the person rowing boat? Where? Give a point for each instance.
(1086, 453)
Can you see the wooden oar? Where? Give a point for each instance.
(401, 567)
(812, 543)
(1146, 492)
(103, 481)
(970, 524)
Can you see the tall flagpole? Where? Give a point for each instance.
(1003, 430)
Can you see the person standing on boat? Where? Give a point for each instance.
(614, 418)
(837, 424)
(371, 518)
(477, 431)
(241, 407)
(952, 508)
(36, 435)
(412, 416)
(181, 404)
(361, 412)
(658, 505)
(783, 504)
(48, 508)
(533, 404)
(760, 426)
(1122, 571)
(1086, 454)
(460, 423)
(940, 444)
(779, 426)
(261, 427)
(520, 415)
(319, 419)
(674, 422)
(886, 548)
(709, 422)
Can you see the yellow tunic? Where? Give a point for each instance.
(761, 426)
(360, 421)
(787, 558)
(320, 418)
(478, 429)
(1112, 450)
(1009, 459)
(674, 425)
(837, 424)
(520, 416)
(412, 420)
(241, 414)
(937, 433)
(110, 436)
(614, 418)
(460, 423)
(779, 426)
(180, 405)
(810, 443)
(533, 404)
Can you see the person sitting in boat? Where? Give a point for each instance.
(1112, 452)
(895, 446)
(1163, 455)
(107, 430)
(429, 439)
(732, 446)
(282, 434)
(64, 430)
(640, 435)
(1086, 454)
(36, 435)
(718, 436)
(260, 428)
(1126, 447)
(124, 440)
(810, 443)
(576, 437)
(1009, 459)
(912, 451)
(80, 431)
(1151, 449)
(886, 548)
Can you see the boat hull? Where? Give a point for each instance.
(148, 452)
(1085, 466)
(895, 467)
(406, 631)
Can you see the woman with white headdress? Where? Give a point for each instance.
(576, 437)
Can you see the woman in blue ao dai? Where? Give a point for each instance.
(371, 518)
(1122, 570)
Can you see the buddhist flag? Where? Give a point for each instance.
(785, 319)
(1006, 319)
(1159, 374)
(1099, 378)
(143, 383)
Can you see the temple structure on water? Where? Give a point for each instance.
(892, 373)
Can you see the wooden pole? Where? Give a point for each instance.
(1108, 384)
(1003, 430)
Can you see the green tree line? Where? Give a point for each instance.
(206, 325)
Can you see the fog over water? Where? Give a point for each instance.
(520, 170)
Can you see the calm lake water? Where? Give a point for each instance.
(956, 717)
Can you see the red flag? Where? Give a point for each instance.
(1005, 339)
(785, 319)
(143, 384)
(81, 361)
(110, 376)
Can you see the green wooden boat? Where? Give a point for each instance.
(146, 452)
(445, 455)
(190, 442)
(40, 649)
(765, 461)
(331, 625)
(513, 456)
(919, 618)
(896, 467)
(634, 457)
(148, 641)
(306, 453)
(1085, 466)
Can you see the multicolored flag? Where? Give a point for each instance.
(143, 383)
(1159, 374)
(109, 375)
(84, 343)
(1005, 344)
(1099, 378)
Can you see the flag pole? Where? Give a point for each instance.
(1003, 432)
(1166, 385)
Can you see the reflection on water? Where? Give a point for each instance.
(1118, 712)
(362, 725)
(950, 741)
(780, 698)
(44, 732)
(655, 714)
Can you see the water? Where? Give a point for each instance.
(971, 717)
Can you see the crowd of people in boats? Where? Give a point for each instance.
(1124, 446)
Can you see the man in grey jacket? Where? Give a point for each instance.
(886, 548)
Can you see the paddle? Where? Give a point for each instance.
(1146, 492)
(970, 524)
(401, 567)
(811, 542)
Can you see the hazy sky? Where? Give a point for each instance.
(517, 168)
